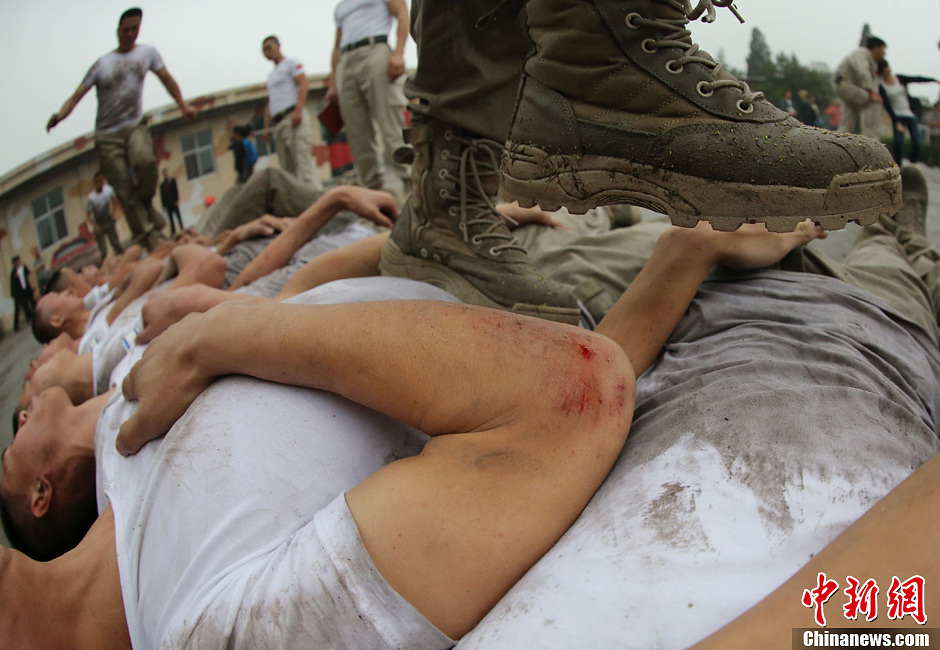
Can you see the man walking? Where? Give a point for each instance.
(101, 217)
(857, 86)
(287, 116)
(368, 78)
(122, 140)
(22, 292)
(169, 198)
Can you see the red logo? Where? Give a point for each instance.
(902, 598)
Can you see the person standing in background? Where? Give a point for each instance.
(286, 115)
(22, 293)
(170, 197)
(122, 139)
(99, 210)
(856, 82)
(368, 80)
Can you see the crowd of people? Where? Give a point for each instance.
(481, 404)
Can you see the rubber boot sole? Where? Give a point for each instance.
(394, 261)
(533, 176)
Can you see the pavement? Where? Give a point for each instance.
(18, 348)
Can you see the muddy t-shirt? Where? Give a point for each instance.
(232, 532)
(783, 407)
(118, 78)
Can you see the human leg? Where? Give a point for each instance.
(897, 140)
(598, 262)
(143, 162)
(111, 231)
(468, 77)
(302, 149)
(387, 104)
(175, 210)
(101, 240)
(270, 191)
(112, 157)
(352, 78)
(913, 127)
(282, 142)
(618, 105)
(893, 260)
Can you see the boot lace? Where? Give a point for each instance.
(677, 35)
(479, 220)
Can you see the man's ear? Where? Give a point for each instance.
(40, 496)
(56, 320)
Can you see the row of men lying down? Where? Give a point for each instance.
(353, 461)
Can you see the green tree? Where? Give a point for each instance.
(760, 60)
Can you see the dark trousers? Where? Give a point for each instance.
(174, 210)
(25, 302)
(913, 127)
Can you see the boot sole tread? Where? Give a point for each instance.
(532, 177)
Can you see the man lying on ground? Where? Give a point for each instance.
(469, 515)
(58, 312)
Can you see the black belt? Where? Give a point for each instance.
(366, 41)
(280, 116)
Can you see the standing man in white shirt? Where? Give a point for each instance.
(100, 216)
(122, 140)
(287, 115)
(368, 78)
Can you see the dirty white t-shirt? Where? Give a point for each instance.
(781, 410)
(118, 78)
(232, 531)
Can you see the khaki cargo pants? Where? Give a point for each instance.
(372, 109)
(294, 146)
(127, 160)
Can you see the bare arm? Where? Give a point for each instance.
(650, 309)
(396, 62)
(303, 87)
(377, 206)
(67, 107)
(168, 307)
(173, 88)
(188, 264)
(357, 260)
(472, 512)
(897, 537)
(334, 64)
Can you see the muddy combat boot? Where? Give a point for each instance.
(450, 235)
(618, 105)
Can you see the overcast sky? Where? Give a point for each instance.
(211, 45)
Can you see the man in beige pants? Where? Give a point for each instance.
(857, 85)
(286, 114)
(368, 80)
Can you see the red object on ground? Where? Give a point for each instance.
(209, 200)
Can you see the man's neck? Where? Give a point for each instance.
(77, 324)
(279, 58)
(80, 591)
(84, 421)
(124, 49)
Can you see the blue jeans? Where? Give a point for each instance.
(913, 127)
